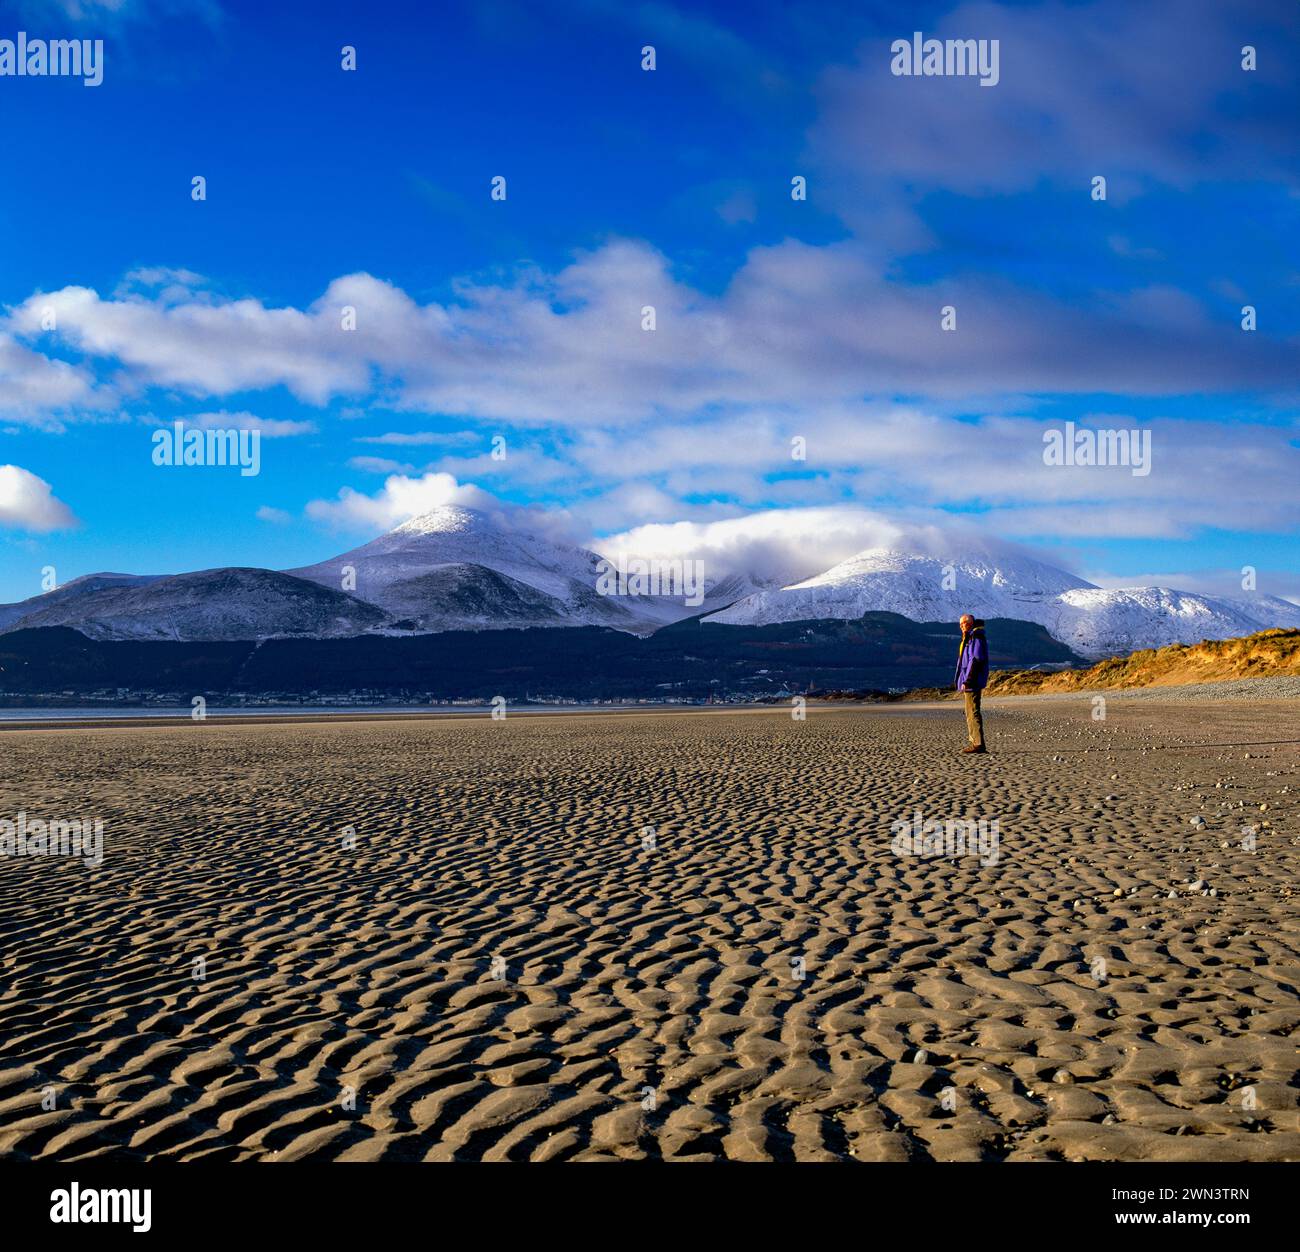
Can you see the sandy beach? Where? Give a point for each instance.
(660, 935)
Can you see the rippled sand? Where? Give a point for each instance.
(510, 964)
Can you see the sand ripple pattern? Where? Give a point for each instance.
(502, 969)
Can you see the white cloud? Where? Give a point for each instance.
(28, 503)
(913, 461)
(705, 406)
(787, 545)
(268, 427)
(416, 439)
(876, 452)
(632, 503)
(199, 346)
(278, 517)
(566, 348)
(402, 497)
(399, 499)
(34, 388)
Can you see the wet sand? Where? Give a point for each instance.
(658, 936)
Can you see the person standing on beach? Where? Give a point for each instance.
(972, 675)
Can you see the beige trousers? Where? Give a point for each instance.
(974, 719)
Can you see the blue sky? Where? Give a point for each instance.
(776, 317)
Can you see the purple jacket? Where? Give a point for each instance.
(972, 661)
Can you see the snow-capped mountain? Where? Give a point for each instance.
(1109, 621)
(452, 568)
(207, 605)
(455, 568)
(892, 581)
(1091, 620)
(71, 592)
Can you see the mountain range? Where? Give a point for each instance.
(462, 569)
(1092, 621)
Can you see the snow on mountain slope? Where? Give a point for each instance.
(890, 581)
(450, 569)
(1097, 621)
(1091, 620)
(211, 604)
(395, 572)
(73, 590)
(456, 568)
(473, 597)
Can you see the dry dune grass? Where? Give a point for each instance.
(1269, 653)
(660, 936)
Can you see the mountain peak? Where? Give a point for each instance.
(970, 569)
(445, 519)
(459, 568)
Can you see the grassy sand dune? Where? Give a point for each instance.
(1267, 654)
(655, 936)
